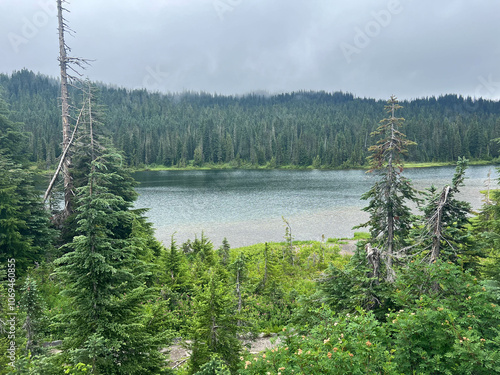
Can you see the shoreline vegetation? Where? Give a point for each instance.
(248, 166)
(228, 166)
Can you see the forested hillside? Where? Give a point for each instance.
(320, 129)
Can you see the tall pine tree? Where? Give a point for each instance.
(390, 217)
(105, 273)
(215, 326)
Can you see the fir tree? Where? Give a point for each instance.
(224, 252)
(32, 304)
(174, 265)
(215, 326)
(446, 222)
(100, 271)
(239, 267)
(487, 232)
(215, 367)
(105, 270)
(390, 217)
(204, 250)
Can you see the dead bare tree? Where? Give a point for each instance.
(66, 158)
(63, 156)
(436, 223)
(444, 210)
(66, 63)
(373, 256)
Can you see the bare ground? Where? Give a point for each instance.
(179, 355)
(348, 248)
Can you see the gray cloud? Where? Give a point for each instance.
(370, 48)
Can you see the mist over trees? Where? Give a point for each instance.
(319, 129)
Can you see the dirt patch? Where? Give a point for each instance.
(348, 248)
(178, 355)
(262, 343)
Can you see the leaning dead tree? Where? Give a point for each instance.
(63, 156)
(436, 223)
(444, 210)
(67, 65)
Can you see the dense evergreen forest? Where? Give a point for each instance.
(89, 290)
(319, 129)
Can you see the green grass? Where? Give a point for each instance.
(305, 252)
(428, 165)
(250, 166)
(444, 164)
(361, 235)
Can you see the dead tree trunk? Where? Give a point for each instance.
(63, 157)
(266, 264)
(373, 256)
(437, 225)
(238, 290)
(66, 130)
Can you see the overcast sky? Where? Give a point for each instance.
(370, 48)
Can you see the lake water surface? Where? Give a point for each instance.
(247, 206)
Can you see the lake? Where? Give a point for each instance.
(247, 206)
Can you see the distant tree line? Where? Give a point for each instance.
(319, 129)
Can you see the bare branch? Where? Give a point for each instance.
(63, 156)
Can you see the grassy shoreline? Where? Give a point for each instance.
(47, 173)
(409, 165)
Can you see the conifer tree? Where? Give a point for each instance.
(33, 305)
(100, 272)
(66, 64)
(104, 273)
(215, 325)
(390, 217)
(175, 269)
(288, 250)
(446, 220)
(270, 258)
(487, 231)
(239, 267)
(223, 252)
(204, 250)
(215, 367)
